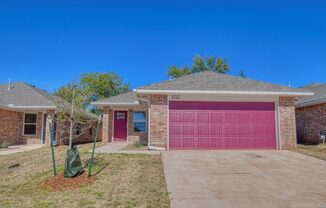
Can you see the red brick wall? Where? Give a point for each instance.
(11, 128)
(310, 121)
(159, 120)
(287, 123)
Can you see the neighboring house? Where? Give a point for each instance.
(311, 114)
(23, 116)
(206, 110)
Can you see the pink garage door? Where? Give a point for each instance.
(222, 125)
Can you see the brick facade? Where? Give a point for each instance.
(287, 123)
(159, 120)
(12, 125)
(11, 128)
(107, 125)
(310, 121)
(132, 135)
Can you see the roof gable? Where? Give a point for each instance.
(319, 96)
(125, 98)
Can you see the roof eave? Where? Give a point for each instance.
(310, 103)
(294, 94)
(13, 107)
(100, 104)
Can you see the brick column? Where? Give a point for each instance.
(287, 123)
(159, 121)
(105, 125)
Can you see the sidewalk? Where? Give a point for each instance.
(19, 148)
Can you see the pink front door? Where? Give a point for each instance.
(222, 125)
(120, 125)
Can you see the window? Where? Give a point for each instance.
(78, 129)
(30, 123)
(120, 115)
(140, 121)
(90, 131)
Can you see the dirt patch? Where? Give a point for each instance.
(59, 182)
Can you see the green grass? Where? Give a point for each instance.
(122, 180)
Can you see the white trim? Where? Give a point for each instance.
(279, 127)
(148, 120)
(35, 113)
(140, 111)
(168, 125)
(44, 113)
(114, 103)
(143, 91)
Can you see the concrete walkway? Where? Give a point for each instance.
(19, 148)
(244, 179)
(112, 147)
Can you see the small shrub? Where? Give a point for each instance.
(4, 145)
(140, 143)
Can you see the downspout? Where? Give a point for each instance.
(149, 146)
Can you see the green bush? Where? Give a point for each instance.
(4, 145)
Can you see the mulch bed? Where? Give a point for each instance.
(59, 182)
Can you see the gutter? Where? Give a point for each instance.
(144, 91)
(10, 106)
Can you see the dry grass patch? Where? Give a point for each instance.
(126, 181)
(318, 151)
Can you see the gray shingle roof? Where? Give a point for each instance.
(128, 97)
(319, 96)
(25, 95)
(212, 81)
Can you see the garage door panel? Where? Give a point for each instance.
(175, 130)
(216, 130)
(188, 117)
(228, 128)
(188, 130)
(203, 130)
(175, 117)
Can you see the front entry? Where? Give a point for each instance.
(120, 126)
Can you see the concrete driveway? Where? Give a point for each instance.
(244, 179)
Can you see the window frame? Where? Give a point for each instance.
(30, 124)
(140, 111)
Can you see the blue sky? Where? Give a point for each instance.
(51, 43)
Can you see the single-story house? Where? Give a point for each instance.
(311, 114)
(205, 110)
(24, 110)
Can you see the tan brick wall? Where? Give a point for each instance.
(107, 123)
(310, 121)
(287, 123)
(159, 121)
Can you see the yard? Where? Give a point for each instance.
(135, 180)
(318, 151)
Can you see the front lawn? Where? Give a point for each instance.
(318, 151)
(135, 180)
